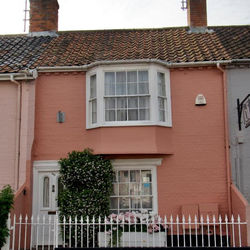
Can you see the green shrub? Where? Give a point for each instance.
(87, 181)
(6, 202)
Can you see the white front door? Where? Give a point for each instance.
(46, 186)
(48, 192)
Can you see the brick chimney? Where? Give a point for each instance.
(197, 13)
(43, 15)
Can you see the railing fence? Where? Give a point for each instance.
(133, 230)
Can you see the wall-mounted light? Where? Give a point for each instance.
(60, 117)
(200, 100)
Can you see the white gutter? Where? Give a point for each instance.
(27, 74)
(137, 61)
(161, 62)
(246, 60)
(32, 74)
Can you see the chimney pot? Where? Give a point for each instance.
(197, 13)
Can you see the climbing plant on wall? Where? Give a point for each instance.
(87, 181)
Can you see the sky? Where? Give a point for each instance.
(119, 14)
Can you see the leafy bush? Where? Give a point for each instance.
(6, 202)
(87, 181)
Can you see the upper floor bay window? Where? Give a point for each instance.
(128, 96)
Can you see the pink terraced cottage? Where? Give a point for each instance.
(154, 101)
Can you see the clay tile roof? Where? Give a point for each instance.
(73, 48)
(20, 52)
(236, 40)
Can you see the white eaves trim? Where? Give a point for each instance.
(5, 76)
(136, 61)
(24, 75)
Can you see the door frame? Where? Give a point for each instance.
(41, 166)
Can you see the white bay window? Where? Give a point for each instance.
(93, 99)
(128, 96)
(162, 97)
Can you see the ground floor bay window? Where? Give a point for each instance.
(128, 95)
(134, 185)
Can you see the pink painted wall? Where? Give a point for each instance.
(8, 122)
(193, 169)
(66, 92)
(240, 208)
(196, 172)
(20, 179)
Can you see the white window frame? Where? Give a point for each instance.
(143, 164)
(153, 93)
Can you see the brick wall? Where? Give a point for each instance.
(197, 13)
(43, 15)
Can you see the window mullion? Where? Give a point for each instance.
(127, 107)
(138, 94)
(153, 95)
(137, 91)
(138, 108)
(115, 83)
(127, 94)
(115, 108)
(118, 195)
(140, 195)
(129, 196)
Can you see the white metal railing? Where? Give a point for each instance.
(128, 230)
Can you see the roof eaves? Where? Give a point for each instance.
(137, 61)
(27, 74)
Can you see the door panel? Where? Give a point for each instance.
(46, 208)
(48, 190)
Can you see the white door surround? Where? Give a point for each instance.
(42, 169)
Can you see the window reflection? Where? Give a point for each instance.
(132, 191)
(46, 191)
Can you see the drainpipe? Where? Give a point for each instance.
(226, 135)
(18, 130)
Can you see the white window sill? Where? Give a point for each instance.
(130, 124)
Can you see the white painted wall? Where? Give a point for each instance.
(239, 87)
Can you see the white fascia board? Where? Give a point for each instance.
(24, 75)
(136, 61)
(6, 77)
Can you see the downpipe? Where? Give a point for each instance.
(226, 135)
(18, 131)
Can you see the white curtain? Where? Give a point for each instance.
(109, 83)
